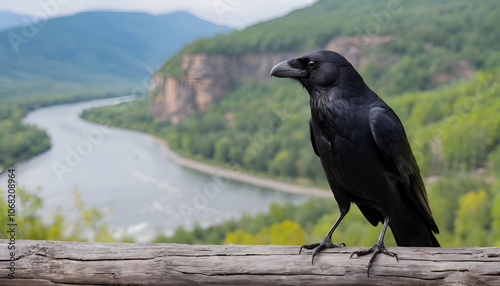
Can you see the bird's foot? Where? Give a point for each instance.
(376, 249)
(325, 243)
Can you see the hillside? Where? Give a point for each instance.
(388, 42)
(376, 42)
(113, 51)
(80, 57)
(10, 20)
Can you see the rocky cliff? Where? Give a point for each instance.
(208, 77)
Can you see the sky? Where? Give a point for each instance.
(236, 14)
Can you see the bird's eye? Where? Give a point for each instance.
(311, 64)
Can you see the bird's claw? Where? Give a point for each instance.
(376, 249)
(325, 243)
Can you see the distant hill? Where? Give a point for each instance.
(393, 48)
(454, 31)
(10, 20)
(93, 50)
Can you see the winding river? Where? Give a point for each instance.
(128, 172)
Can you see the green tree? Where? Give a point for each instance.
(88, 227)
(287, 233)
(240, 237)
(472, 219)
(495, 216)
(222, 150)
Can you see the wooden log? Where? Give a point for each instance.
(77, 263)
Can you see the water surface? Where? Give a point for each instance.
(126, 171)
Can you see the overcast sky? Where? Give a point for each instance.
(232, 13)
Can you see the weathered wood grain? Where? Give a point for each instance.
(63, 263)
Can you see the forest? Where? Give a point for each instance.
(430, 37)
(18, 141)
(453, 125)
(87, 226)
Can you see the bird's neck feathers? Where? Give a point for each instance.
(350, 83)
(349, 87)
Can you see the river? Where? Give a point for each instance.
(127, 171)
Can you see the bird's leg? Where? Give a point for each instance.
(327, 240)
(377, 248)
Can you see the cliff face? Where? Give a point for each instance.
(209, 77)
(206, 78)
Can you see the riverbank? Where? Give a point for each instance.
(233, 174)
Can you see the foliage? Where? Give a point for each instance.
(429, 38)
(134, 115)
(471, 218)
(455, 127)
(18, 141)
(474, 216)
(88, 226)
(283, 224)
(286, 232)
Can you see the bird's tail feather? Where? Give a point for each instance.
(416, 233)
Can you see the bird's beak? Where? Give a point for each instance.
(283, 69)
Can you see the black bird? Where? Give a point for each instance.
(364, 151)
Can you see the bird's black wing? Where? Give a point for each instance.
(390, 137)
(313, 141)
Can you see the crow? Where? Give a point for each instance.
(364, 151)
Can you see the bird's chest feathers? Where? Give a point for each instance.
(344, 142)
(339, 122)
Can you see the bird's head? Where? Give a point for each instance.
(319, 71)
